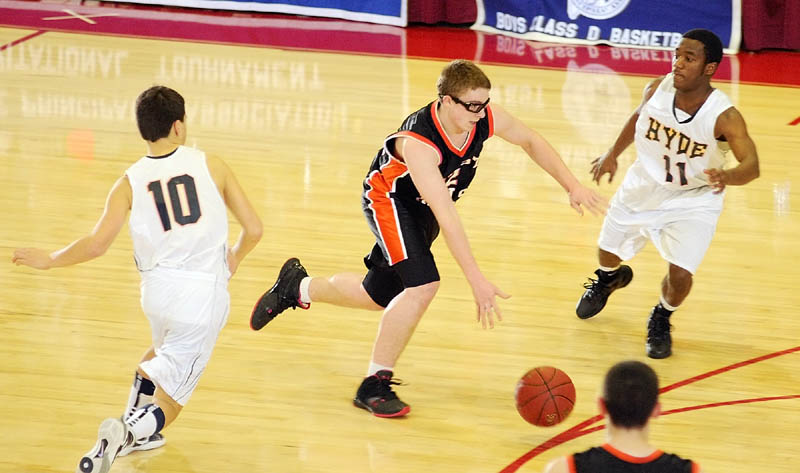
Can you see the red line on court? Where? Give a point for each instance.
(26, 38)
(795, 121)
(578, 430)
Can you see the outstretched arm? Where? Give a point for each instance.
(422, 163)
(514, 131)
(607, 164)
(240, 207)
(731, 125)
(92, 245)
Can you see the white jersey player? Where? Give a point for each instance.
(672, 194)
(177, 198)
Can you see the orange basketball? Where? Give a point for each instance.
(545, 396)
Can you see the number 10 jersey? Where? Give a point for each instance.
(178, 217)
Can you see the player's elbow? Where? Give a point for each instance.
(756, 171)
(97, 248)
(255, 229)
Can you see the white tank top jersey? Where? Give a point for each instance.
(178, 217)
(673, 147)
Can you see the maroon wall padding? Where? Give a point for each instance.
(770, 24)
(438, 11)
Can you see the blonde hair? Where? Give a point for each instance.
(459, 76)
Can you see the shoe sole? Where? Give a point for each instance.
(400, 413)
(659, 356)
(625, 283)
(142, 448)
(281, 274)
(113, 431)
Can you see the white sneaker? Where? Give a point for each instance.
(110, 438)
(149, 443)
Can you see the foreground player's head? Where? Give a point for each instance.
(160, 111)
(630, 394)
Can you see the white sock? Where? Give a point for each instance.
(305, 297)
(665, 305)
(146, 421)
(374, 368)
(609, 270)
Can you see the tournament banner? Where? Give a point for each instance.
(630, 23)
(387, 12)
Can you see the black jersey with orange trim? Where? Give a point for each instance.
(607, 459)
(389, 175)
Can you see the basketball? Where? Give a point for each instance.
(545, 396)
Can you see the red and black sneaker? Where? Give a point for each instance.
(285, 293)
(376, 396)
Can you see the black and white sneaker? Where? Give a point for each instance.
(285, 293)
(597, 291)
(111, 438)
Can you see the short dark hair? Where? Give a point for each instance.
(630, 393)
(711, 43)
(157, 108)
(460, 76)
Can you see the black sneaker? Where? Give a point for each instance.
(659, 341)
(597, 291)
(375, 395)
(285, 293)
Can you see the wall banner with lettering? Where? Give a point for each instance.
(387, 12)
(630, 23)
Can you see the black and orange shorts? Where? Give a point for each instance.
(402, 255)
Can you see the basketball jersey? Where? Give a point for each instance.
(607, 459)
(178, 217)
(675, 150)
(457, 164)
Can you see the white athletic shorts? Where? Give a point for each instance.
(187, 311)
(680, 224)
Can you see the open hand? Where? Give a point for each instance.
(486, 304)
(603, 165)
(584, 197)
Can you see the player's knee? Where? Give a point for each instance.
(679, 277)
(425, 292)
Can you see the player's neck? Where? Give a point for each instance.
(161, 147)
(634, 442)
(692, 99)
(455, 134)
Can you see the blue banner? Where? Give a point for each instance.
(388, 12)
(649, 24)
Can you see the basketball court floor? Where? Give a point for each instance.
(299, 124)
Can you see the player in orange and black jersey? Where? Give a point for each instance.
(409, 196)
(629, 402)
(401, 219)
